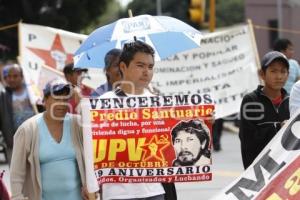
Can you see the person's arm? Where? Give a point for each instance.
(81, 161)
(297, 70)
(18, 164)
(77, 97)
(294, 102)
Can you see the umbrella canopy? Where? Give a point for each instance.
(166, 35)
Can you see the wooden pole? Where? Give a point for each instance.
(212, 15)
(20, 38)
(130, 16)
(276, 29)
(8, 26)
(92, 196)
(130, 13)
(53, 70)
(253, 41)
(20, 57)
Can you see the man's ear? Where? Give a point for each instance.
(261, 74)
(122, 67)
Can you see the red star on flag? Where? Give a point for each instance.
(56, 57)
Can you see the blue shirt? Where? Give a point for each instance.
(294, 73)
(59, 171)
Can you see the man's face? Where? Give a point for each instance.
(75, 77)
(187, 147)
(276, 75)
(14, 79)
(140, 70)
(113, 71)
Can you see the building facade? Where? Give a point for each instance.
(264, 13)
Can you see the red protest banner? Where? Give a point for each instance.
(285, 185)
(152, 144)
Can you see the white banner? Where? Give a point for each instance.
(224, 65)
(275, 173)
(45, 46)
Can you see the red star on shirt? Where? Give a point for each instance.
(56, 57)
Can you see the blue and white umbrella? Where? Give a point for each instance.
(166, 35)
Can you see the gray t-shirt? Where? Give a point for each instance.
(22, 109)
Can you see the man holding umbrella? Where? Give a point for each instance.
(136, 68)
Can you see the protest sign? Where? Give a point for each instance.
(275, 173)
(44, 47)
(224, 65)
(150, 139)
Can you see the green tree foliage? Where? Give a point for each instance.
(228, 12)
(110, 15)
(72, 15)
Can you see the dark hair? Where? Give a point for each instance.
(110, 56)
(196, 127)
(281, 44)
(69, 69)
(109, 59)
(130, 49)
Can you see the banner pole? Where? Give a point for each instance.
(253, 41)
(91, 180)
(276, 29)
(8, 27)
(20, 38)
(92, 196)
(130, 13)
(33, 104)
(53, 70)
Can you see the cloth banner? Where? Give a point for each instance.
(44, 47)
(224, 65)
(150, 139)
(275, 173)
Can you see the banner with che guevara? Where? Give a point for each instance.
(150, 138)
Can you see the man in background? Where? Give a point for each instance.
(74, 77)
(286, 47)
(111, 71)
(15, 106)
